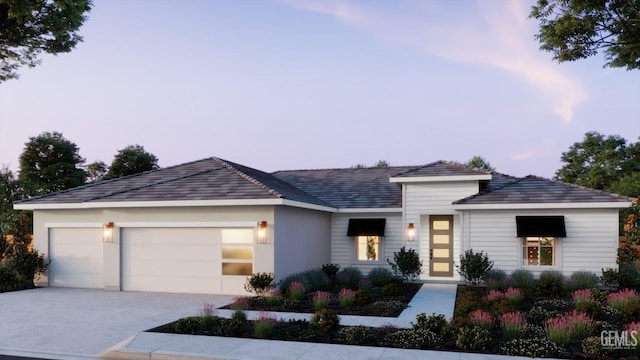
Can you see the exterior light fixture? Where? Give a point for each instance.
(262, 232)
(107, 234)
(411, 232)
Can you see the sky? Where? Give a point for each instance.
(306, 84)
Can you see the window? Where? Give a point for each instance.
(368, 248)
(539, 251)
(237, 251)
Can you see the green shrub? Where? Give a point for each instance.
(413, 339)
(496, 274)
(434, 323)
(474, 266)
(592, 347)
(584, 280)
(406, 264)
(260, 283)
(313, 280)
(474, 338)
(550, 284)
(207, 321)
(531, 347)
(188, 325)
(387, 308)
(363, 296)
(27, 265)
(232, 327)
(629, 276)
(239, 316)
(380, 276)
(325, 321)
(392, 289)
(358, 335)
(349, 278)
(330, 270)
(610, 277)
(538, 315)
(8, 279)
(522, 279)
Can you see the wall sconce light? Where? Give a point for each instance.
(107, 234)
(411, 232)
(262, 232)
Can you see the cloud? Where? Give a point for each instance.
(492, 33)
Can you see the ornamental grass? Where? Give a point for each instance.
(321, 300)
(296, 290)
(263, 326)
(514, 295)
(583, 299)
(572, 326)
(481, 319)
(346, 298)
(513, 325)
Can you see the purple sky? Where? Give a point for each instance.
(314, 84)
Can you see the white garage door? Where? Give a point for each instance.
(182, 260)
(76, 257)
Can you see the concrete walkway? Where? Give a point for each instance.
(432, 298)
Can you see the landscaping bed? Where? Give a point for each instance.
(512, 315)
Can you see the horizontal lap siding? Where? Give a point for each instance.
(591, 241)
(343, 248)
(436, 198)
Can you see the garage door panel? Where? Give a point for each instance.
(76, 257)
(171, 260)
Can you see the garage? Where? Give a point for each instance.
(76, 257)
(180, 260)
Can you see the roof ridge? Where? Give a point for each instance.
(445, 162)
(418, 168)
(151, 184)
(247, 177)
(346, 168)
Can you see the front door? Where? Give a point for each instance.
(441, 245)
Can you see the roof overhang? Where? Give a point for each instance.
(369, 210)
(422, 179)
(170, 203)
(577, 205)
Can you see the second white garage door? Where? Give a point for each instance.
(181, 260)
(76, 257)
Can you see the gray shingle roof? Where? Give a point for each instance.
(207, 179)
(441, 168)
(349, 188)
(536, 190)
(218, 179)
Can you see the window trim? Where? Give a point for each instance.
(355, 249)
(555, 252)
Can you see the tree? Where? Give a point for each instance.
(577, 29)
(10, 191)
(49, 163)
(96, 171)
(479, 162)
(598, 161)
(29, 28)
(382, 164)
(131, 160)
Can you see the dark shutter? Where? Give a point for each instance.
(366, 227)
(543, 226)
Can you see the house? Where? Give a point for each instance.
(204, 226)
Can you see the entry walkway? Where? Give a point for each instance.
(431, 298)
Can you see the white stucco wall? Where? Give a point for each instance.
(591, 242)
(301, 241)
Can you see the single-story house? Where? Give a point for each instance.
(204, 226)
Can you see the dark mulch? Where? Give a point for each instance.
(379, 304)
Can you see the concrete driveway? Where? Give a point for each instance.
(83, 323)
